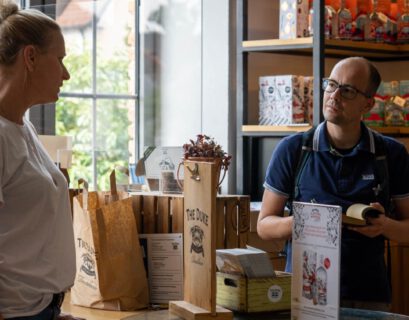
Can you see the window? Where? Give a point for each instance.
(98, 106)
(117, 101)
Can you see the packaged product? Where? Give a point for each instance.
(308, 99)
(293, 19)
(376, 116)
(281, 100)
(404, 94)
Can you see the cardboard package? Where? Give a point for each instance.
(293, 19)
(281, 100)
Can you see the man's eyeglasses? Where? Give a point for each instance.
(346, 91)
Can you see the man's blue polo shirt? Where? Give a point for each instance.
(344, 178)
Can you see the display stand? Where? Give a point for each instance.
(199, 239)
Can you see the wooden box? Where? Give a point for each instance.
(238, 293)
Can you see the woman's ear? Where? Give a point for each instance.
(29, 56)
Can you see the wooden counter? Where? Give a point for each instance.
(96, 314)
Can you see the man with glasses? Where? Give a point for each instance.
(341, 170)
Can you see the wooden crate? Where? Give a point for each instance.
(238, 293)
(164, 214)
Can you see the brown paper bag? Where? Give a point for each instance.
(110, 270)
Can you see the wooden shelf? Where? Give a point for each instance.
(278, 45)
(381, 51)
(366, 49)
(258, 130)
(391, 130)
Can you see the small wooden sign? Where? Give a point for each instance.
(199, 238)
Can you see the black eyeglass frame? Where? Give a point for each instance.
(325, 82)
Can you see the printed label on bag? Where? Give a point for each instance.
(87, 265)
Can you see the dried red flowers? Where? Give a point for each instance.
(206, 147)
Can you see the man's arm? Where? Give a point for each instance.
(271, 224)
(395, 230)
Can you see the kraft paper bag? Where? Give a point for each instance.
(110, 270)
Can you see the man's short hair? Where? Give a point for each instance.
(374, 79)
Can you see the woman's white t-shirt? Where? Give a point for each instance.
(37, 253)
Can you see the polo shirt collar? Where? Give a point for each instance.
(321, 142)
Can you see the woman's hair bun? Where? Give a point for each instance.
(7, 8)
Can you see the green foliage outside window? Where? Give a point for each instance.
(113, 117)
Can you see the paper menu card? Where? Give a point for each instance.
(316, 247)
(163, 258)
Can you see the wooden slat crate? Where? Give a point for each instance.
(164, 214)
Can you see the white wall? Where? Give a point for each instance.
(215, 72)
(195, 71)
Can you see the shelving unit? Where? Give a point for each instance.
(248, 136)
(255, 142)
(332, 47)
(251, 138)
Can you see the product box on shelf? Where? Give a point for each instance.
(308, 99)
(404, 94)
(376, 116)
(393, 104)
(281, 100)
(293, 19)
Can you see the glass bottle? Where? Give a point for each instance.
(391, 27)
(361, 21)
(344, 18)
(351, 5)
(167, 182)
(329, 20)
(375, 29)
(403, 25)
(310, 18)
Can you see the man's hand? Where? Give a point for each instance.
(66, 316)
(376, 225)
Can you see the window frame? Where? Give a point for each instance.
(43, 116)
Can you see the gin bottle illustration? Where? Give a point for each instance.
(321, 286)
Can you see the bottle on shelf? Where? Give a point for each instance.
(362, 20)
(330, 22)
(376, 25)
(344, 19)
(403, 25)
(391, 27)
(395, 10)
(310, 18)
(351, 5)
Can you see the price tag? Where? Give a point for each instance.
(399, 101)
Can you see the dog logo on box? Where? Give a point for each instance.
(197, 240)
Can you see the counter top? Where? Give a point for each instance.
(97, 314)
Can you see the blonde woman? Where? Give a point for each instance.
(37, 258)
